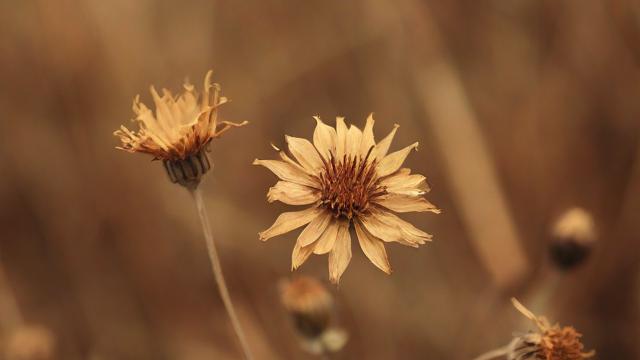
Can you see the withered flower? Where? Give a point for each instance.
(311, 308)
(345, 178)
(180, 131)
(549, 342)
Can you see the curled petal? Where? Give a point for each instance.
(392, 162)
(385, 232)
(305, 153)
(292, 194)
(341, 137)
(290, 221)
(382, 148)
(354, 139)
(368, 140)
(328, 238)
(300, 255)
(405, 184)
(316, 227)
(324, 138)
(403, 203)
(340, 255)
(409, 232)
(287, 172)
(373, 248)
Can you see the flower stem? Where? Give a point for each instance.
(217, 272)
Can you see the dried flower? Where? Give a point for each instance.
(573, 236)
(346, 178)
(311, 308)
(550, 342)
(180, 130)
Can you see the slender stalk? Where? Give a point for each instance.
(494, 353)
(217, 272)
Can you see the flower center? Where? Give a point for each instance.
(349, 184)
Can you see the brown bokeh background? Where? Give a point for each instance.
(522, 109)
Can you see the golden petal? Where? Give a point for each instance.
(385, 232)
(324, 138)
(340, 255)
(383, 146)
(403, 203)
(409, 232)
(368, 140)
(305, 153)
(300, 254)
(328, 238)
(314, 230)
(292, 194)
(392, 162)
(354, 139)
(373, 248)
(286, 171)
(405, 184)
(290, 221)
(341, 138)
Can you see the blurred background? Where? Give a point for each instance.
(523, 109)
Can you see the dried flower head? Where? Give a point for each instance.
(180, 130)
(573, 236)
(346, 178)
(550, 342)
(311, 308)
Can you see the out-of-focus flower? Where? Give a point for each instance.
(345, 178)
(573, 236)
(311, 308)
(180, 130)
(550, 342)
(30, 342)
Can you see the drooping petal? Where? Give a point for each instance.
(405, 184)
(316, 227)
(324, 138)
(354, 139)
(403, 203)
(384, 232)
(373, 248)
(286, 171)
(409, 232)
(382, 148)
(328, 238)
(340, 255)
(392, 162)
(300, 254)
(341, 138)
(292, 194)
(305, 153)
(368, 140)
(290, 221)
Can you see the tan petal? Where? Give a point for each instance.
(305, 153)
(341, 138)
(328, 238)
(373, 248)
(340, 255)
(324, 138)
(316, 227)
(289, 221)
(392, 162)
(286, 171)
(405, 184)
(403, 203)
(354, 139)
(383, 231)
(300, 254)
(409, 232)
(383, 146)
(368, 140)
(292, 194)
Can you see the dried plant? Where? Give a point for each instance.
(179, 134)
(573, 236)
(345, 178)
(550, 342)
(311, 308)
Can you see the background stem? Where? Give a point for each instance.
(217, 272)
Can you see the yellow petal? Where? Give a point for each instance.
(354, 139)
(300, 254)
(373, 248)
(328, 238)
(305, 153)
(324, 138)
(341, 138)
(368, 140)
(316, 227)
(292, 194)
(289, 221)
(403, 203)
(286, 171)
(340, 255)
(383, 146)
(392, 162)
